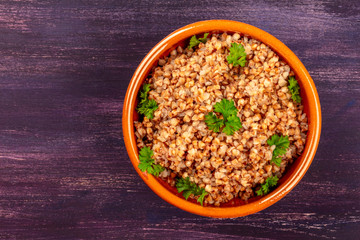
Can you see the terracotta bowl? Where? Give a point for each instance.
(308, 93)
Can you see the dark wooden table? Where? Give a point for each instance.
(64, 70)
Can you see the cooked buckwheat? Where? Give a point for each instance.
(187, 84)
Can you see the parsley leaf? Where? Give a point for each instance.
(269, 183)
(146, 106)
(232, 125)
(204, 39)
(202, 196)
(213, 122)
(281, 143)
(147, 162)
(144, 92)
(150, 107)
(294, 90)
(194, 41)
(237, 55)
(276, 160)
(187, 188)
(231, 121)
(226, 108)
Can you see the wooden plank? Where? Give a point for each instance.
(64, 70)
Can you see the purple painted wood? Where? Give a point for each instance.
(64, 70)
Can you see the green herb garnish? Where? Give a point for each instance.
(232, 124)
(187, 188)
(147, 163)
(146, 106)
(213, 122)
(281, 143)
(237, 55)
(269, 183)
(294, 89)
(194, 41)
(226, 108)
(230, 119)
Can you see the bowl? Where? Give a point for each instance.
(311, 103)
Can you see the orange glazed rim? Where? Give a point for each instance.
(308, 93)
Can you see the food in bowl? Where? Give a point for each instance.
(221, 119)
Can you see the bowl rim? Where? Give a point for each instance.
(277, 46)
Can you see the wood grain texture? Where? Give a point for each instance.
(64, 170)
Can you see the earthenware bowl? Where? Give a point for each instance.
(311, 104)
